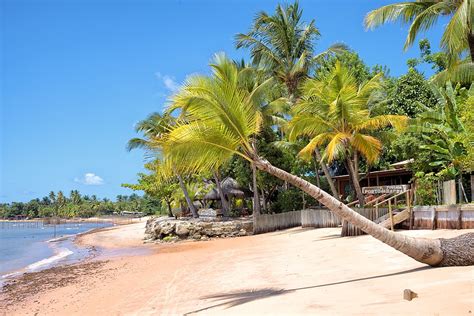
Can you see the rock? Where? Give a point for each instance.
(208, 212)
(182, 230)
(167, 227)
(204, 238)
(161, 228)
(242, 232)
(409, 294)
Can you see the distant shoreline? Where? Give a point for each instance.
(60, 250)
(118, 220)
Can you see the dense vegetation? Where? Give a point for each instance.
(321, 114)
(77, 205)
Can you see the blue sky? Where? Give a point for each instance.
(77, 75)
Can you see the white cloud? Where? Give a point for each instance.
(90, 179)
(168, 81)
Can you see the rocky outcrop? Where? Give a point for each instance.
(170, 229)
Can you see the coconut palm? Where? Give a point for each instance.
(333, 112)
(222, 120)
(283, 45)
(154, 129)
(271, 105)
(458, 36)
(457, 39)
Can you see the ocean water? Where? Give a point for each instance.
(32, 246)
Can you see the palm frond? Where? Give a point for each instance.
(404, 12)
(367, 145)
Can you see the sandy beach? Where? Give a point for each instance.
(292, 272)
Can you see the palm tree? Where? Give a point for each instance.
(52, 197)
(458, 35)
(283, 45)
(333, 111)
(272, 106)
(221, 122)
(154, 128)
(457, 39)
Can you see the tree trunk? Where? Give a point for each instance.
(256, 199)
(356, 165)
(188, 199)
(264, 202)
(326, 173)
(470, 40)
(318, 182)
(353, 175)
(170, 211)
(434, 252)
(224, 203)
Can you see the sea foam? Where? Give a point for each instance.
(63, 253)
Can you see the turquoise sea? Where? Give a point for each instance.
(32, 246)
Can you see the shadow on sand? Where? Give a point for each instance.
(232, 299)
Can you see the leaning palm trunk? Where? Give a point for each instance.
(326, 173)
(256, 198)
(188, 199)
(434, 252)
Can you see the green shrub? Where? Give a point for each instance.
(426, 187)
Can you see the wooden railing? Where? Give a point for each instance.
(388, 201)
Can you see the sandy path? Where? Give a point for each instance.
(290, 272)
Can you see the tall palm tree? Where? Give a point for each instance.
(272, 106)
(333, 111)
(421, 15)
(250, 82)
(283, 45)
(222, 119)
(154, 129)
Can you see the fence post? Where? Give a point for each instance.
(391, 214)
(435, 219)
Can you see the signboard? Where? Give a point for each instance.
(386, 189)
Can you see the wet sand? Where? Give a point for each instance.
(291, 272)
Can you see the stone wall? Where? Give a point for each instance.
(170, 229)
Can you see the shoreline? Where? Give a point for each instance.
(244, 275)
(64, 250)
(118, 220)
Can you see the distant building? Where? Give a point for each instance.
(398, 175)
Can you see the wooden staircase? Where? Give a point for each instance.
(397, 218)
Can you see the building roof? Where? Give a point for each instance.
(402, 164)
(230, 188)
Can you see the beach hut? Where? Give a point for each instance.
(232, 191)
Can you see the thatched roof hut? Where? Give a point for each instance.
(230, 187)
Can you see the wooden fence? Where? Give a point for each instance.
(371, 213)
(443, 217)
(270, 222)
(319, 218)
(424, 217)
